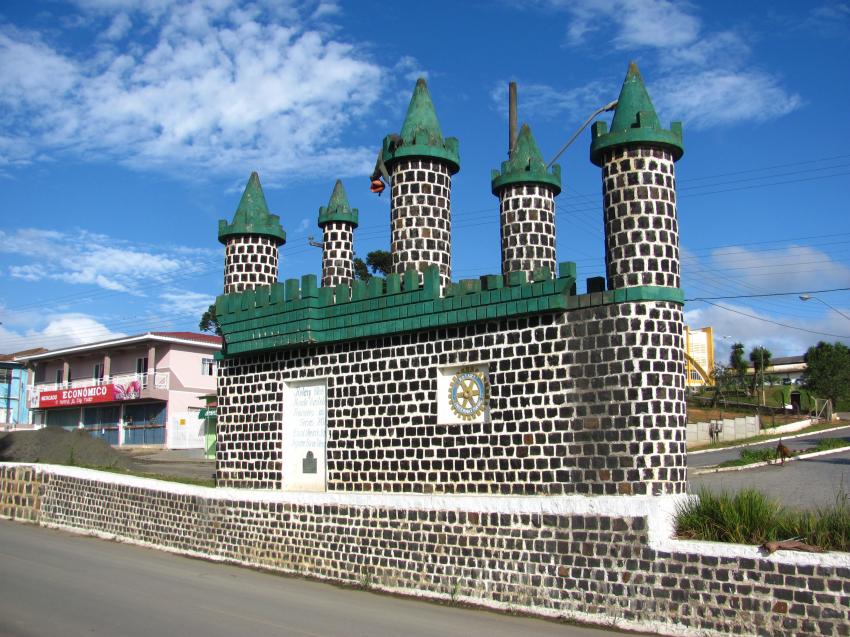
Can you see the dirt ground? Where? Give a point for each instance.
(53, 445)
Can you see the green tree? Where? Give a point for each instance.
(361, 271)
(827, 373)
(723, 378)
(377, 262)
(380, 261)
(760, 358)
(209, 321)
(737, 363)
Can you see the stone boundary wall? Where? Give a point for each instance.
(699, 433)
(606, 560)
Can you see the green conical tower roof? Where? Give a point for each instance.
(421, 135)
(420, 123)
(635, 122)
(526, 166)
(252, 216)
(338, 208)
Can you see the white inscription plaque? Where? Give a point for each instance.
(304, 432)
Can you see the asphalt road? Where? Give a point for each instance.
(56, 583)
(800, 484)
(710, 458)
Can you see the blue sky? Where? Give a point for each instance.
(129, 128)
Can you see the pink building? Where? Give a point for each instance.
(137, 390)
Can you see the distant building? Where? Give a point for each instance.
(136, 390)
(699, 356)
(14, 377)
(788, 369)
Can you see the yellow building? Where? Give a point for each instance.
(699, 356)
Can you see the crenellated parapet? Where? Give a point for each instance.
(299, 312)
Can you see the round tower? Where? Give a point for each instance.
(251, 241)
(337, 222)
(637, 157)
(526, 192)
(421, 164)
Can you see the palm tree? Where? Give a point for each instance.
(760, 358)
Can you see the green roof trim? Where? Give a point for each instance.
(338, 208)
(526, 166)
(635, 123)
(421, 135)
(298, 313)
(252, 216)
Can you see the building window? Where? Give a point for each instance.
(59, 378)
(40, 372)
(97, 373)
(142, 370)
(5, 376)
(208, 367)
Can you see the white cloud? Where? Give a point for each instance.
(783, 324)
(738, 323)
(119, 27)
(81, 257)
(539, 101)
(409, 68)
(718, 97)
(185, 303)
(636, 23)
(203, 84)
(791, 268)
(326, 9)
(60, 330)
(704, 78)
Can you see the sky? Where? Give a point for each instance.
(128, 128)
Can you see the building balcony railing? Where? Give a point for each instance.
(155, 380)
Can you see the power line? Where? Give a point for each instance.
(752, 296)
(759, 318)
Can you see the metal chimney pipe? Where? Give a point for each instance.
(511, 118)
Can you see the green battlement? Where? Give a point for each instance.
(298, 312)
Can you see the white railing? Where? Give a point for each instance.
(152, 380)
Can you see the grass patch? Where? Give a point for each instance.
(825, 444)
(201, 482)
(751, 456)
(750, 517)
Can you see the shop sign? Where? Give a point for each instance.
(90, 394)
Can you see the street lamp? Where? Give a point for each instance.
(807, 297)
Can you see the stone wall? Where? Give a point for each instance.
(606, 560)
(588, 401)
(729, 430)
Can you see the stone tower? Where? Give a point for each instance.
(421, 164)
(251, 241)
(637, 157)
(526, 192)
(337, 222)
(642, 260)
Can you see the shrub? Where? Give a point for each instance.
(750, 517)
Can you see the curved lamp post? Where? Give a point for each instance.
(808, 297)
